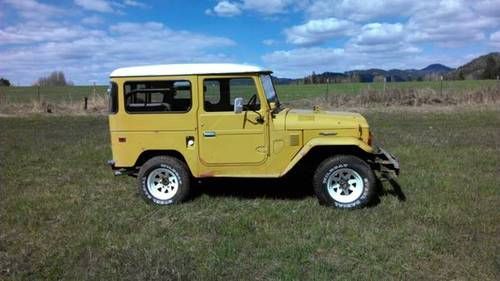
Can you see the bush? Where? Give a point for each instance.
(4, 82)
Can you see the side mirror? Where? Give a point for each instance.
(238, 105)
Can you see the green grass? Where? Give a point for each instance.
(285, 92)
(64, 216)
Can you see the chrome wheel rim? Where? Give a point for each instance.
(163, 183)
(345, 185)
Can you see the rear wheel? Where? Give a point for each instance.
(344, 181)
(164, 180)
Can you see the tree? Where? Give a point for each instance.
(461, 75)
(56, 78)
(490, 71)
(4, 82)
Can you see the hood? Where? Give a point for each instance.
(297, 119)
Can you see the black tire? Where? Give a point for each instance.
(164, 165)
(331, 169)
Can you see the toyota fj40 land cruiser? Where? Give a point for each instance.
(172, 123)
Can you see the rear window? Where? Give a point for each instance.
(158, 96)
(113, 98)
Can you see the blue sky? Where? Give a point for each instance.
(87, 39)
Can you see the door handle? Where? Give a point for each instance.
(209, 134)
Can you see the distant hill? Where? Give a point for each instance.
(483, 67)
(431, 72)
(436, 68)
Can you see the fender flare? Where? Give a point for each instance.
(327, 141)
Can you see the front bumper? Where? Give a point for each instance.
(386, 163)
(116, 171)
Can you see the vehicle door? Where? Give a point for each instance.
(229, 137)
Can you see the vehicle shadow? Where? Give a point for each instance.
(252, 188)
(387, 188)
(288, 188)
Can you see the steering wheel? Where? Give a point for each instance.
(251, 102)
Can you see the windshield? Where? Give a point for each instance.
(267, 84)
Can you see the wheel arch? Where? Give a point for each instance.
(313, 155)
(148, 154)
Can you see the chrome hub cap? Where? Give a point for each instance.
(162, 183)
(345, 185)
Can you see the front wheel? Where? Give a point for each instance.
(164, 180)
(344, 181)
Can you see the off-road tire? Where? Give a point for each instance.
(172, 165)
(328, 168)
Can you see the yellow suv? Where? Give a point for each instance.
(172, 123)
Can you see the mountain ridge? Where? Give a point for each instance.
(483, 67)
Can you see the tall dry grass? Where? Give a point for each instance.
(404, 97)
(96, 104)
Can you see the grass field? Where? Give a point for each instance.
(286, 92)
(64, 216)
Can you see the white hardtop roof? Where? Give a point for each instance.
(185, 69)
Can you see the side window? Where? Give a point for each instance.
(157, 96)
(219, 93)
(113, 98)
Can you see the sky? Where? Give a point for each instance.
(87, 39)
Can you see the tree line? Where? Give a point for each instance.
(56, 78)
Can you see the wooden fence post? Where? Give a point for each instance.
(441, 86)
(85, 100)
(385, 81)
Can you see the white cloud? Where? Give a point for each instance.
(301, 61)
(31, 9)
(360, 10)
(88, 54)
(318, 31)
(224, 9)
(380, 33)
(102, 6)
(384, 39)
(34, 32)
(266, 7)
(133, 3)
(495, 39)
(487, 7)
(92, 20)
(268, 42)
(450, 23)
